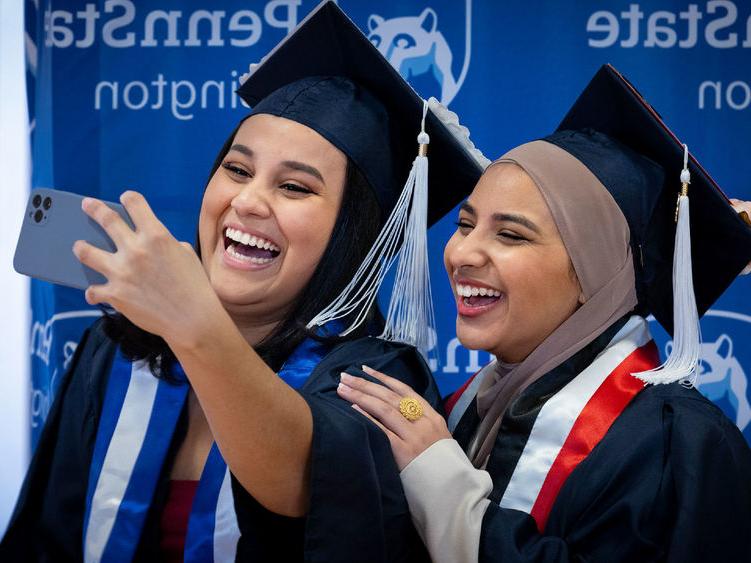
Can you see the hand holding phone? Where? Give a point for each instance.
(53, 221)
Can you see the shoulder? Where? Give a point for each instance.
(683, 423)
(379, 351)
(398, 360)
(89, 370)
(697, 423)
(94, 339)
(684, 409)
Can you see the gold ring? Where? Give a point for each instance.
(410, 408)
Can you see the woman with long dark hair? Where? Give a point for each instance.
(201, 421)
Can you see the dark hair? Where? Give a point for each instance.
(356, 228)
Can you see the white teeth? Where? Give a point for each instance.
(247, 239)
(471, 291)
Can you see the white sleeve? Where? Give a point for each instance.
(447, 497)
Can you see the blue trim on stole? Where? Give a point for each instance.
(117, 386)
(199, 538)
(168, 405)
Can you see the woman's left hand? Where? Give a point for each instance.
(157, 282)
(380, 403)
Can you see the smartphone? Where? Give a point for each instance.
(52, 222)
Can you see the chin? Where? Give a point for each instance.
(229, 295)
(475, 338)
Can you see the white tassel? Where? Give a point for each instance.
(682, 362)
(410, 317)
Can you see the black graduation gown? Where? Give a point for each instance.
(357, 508)
(669, 481)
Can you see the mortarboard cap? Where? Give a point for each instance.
(328, 76)
(623, 141)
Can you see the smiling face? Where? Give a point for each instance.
(509, 270)
(267, 216)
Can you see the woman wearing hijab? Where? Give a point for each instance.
(202, 422)
(559, 451)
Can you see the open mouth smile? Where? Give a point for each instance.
(245, 248)
(473, 300)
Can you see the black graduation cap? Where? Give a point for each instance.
(328, 76)
(623, 141)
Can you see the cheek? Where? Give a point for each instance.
(552, 293)
(215, 203)
(307, 233)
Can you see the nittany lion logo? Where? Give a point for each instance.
(420, 52)
(721, 376)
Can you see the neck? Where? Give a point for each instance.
(254, 331)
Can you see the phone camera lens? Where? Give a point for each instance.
(47, 203)
(38, 216)
(37, 201)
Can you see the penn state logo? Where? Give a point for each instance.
(721, 376)
(415, 47)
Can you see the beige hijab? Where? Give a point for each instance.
(596, 236)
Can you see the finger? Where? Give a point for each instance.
(188, 246)
(370, 388)
(402, 390)
(96, 294)
(93, 257)
(108, 219)
(379, 409)
(140, 212)
(399, 387)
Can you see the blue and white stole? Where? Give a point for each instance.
(136, 428)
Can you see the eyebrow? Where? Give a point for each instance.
(519, 219)
(291, 164)
(302, 167)
(504, 217)
(241, 149)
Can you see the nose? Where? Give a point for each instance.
(465, 252)
(252, 199)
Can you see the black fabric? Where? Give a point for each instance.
(646, 186)
(47, 524)
(358, 510)
(465, 428)
(355, 485)
(349, 110)
(521, 414)
(668, 482)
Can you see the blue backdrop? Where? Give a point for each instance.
(126, 94)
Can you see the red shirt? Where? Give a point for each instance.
(173, 525)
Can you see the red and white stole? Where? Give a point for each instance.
(574, 420)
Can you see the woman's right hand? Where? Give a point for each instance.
(157, 282)
(380, 403)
